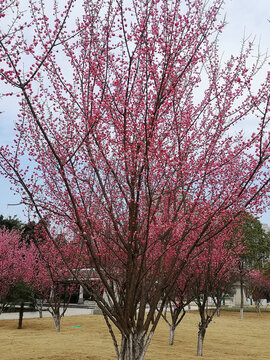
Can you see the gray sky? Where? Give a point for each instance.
(249, 17)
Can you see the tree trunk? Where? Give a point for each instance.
(258, 309)
(57, 320)
(40, 313)
(241, 298)
(21, 315)
(219, 300)
(172, 332)
(39, 304)
(133, 346)
(201, 335)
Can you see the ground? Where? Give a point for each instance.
(86, 338)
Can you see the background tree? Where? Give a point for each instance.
(257, 250)
(10, 223)
(256, 241)
(178, 299)
(20, 293)
(14, 263)
(52, 280)
(129, 156)
(213, 269)
(259, 283)
(18, 290)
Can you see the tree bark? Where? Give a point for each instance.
(134, 346)
(21, 315)
(201, 335)
(241, 298)
(57, 320)
(258, 309)
(40, 313)
(39, 306)
(219, 302)
(172, 332)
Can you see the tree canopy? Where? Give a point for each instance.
(130, 120)
(256, 241)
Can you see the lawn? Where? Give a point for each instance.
(87, 338)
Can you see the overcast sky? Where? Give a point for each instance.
(249, 17)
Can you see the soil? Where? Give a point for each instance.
(86, 338)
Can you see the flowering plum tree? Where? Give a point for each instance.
(133, 153)
(214, 270)
(14, 262)
(178, 299)
(259, 283)
(51, 279)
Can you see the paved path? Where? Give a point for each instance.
(70, 312)
(35, 314)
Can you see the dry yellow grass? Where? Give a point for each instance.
(227, 337)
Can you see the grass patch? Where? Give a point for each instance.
(227, 337)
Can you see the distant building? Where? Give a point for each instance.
(266, 228)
